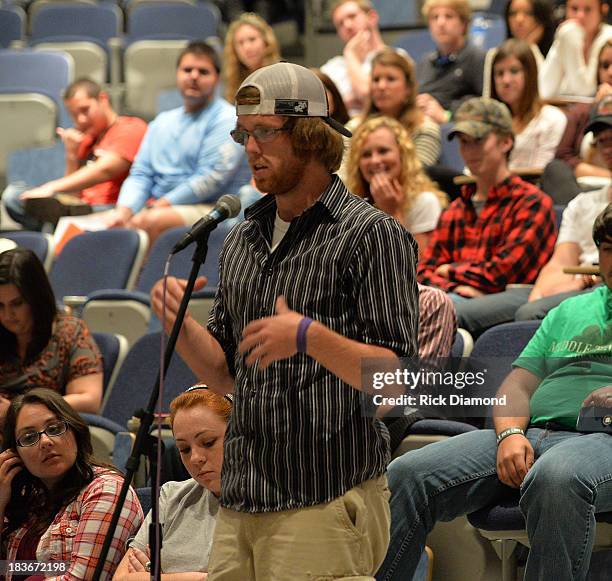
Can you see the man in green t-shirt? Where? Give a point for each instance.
(564, 476)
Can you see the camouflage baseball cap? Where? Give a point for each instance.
(601, 116)
(479, 116)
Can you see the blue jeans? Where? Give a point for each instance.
(570, 481)
(479, 314)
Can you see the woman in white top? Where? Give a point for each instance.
(528, 20)
(538, 128)
(187, 510)
(570, 68)
(383, 167)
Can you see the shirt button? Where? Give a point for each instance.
(68, 529)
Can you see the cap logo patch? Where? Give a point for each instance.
(291, 107)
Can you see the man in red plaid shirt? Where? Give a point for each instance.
(501, 229)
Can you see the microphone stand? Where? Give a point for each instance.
(145, 442)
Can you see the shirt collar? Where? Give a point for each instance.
(330, 200)
(498, 191)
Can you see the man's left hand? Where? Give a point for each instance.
(44, 191)
(601, 397)
(271, 338)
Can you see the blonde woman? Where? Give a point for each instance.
(383, 167)
(250, 44)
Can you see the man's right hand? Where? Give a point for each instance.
(175, 289)
(514, 459)
(10, 465)
(71, 138)
(359, 46)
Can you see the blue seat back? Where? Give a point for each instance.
(181, 263)
(500, 345)
(144, 496)
(24, 71)
(64, 22)
(37, 242)
(109, 348)
(161, 21)
(136, 378)
(559, 209)
(398, 13)
(36, 165)
(95, 261)
(12, 25)
(417, 43)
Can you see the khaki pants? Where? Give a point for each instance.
(346, 538)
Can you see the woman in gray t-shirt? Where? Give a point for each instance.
(188, 510)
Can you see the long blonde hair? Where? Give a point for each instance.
(234, 72)
(412, 178)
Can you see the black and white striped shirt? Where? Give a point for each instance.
(297, 436)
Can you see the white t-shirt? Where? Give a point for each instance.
(578, 219)
(535, 146)
(188, 513)
(335, 68)
(564, 71)
(424, 213)
(280, 229)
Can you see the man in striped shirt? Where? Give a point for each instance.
(311, 283)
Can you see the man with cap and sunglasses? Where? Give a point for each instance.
(574, 247)
(501, 229)
(302, 300)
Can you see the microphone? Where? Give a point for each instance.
(227, 206)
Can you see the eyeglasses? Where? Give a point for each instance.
(52, 430)
(261, 134)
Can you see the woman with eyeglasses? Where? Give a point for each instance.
(187, 510)
(40, 347)
(55, 498)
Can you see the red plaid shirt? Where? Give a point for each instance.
(77, 533)
(509, 242)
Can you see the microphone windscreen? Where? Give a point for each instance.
(229, 203)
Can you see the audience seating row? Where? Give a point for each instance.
(112, 286)
(144, 57)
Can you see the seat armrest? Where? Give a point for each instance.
(119, 295)
(102, 422)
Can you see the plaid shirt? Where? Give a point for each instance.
(509, 242)
(77, 533)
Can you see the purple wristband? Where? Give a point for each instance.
(301, 334)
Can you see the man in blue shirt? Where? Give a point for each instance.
(187, 159)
